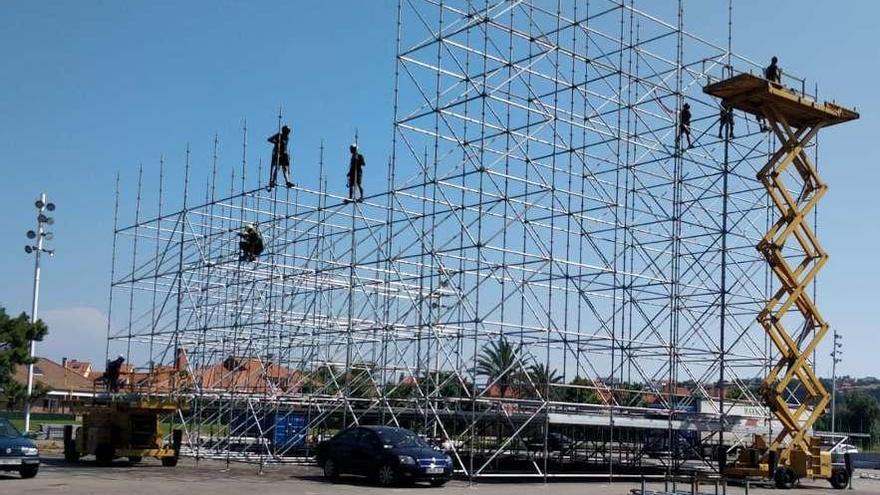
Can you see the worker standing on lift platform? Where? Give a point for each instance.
(111, 376)
(725, 121)
(355, 173)
(684, 124)
(280, 157)
(773, 73)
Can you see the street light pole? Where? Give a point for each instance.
(42, 206)
(835, 358)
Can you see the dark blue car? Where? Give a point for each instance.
(388, 455)
(17, 452)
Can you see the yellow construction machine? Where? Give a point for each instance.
(790, 317)
(123, 428)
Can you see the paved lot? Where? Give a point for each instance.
(211, 477)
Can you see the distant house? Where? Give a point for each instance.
(65, 386)
(83, 368)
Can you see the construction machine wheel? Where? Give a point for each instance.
(104, 455)
(784, 478)
(839, 478)
(70, 453)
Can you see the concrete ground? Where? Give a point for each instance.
(212, 477)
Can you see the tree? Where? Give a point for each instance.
(541, 375)
(583, 391)
(16, 335)
(860, 413)
(497, 362)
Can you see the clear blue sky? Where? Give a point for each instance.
(88, 88)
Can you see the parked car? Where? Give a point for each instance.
(388, 455)
(17, 451)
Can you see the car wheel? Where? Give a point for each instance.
(438, 482)
(386, 476)
(134, 459)
(838, 479)
(170, 461)
(28, 471)
(331, 470)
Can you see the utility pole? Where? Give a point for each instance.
(40, 235)
(835, 358)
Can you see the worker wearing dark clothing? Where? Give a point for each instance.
(111, 376)
(355, 173)
(684, 124)
(773, 73)
(280, 157)
(725, 121)
(251, 244)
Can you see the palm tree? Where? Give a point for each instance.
(497, 362)
(542, 375)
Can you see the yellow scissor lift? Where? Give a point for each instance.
(795, 120)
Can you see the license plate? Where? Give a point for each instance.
(434, 470)
(9, 462)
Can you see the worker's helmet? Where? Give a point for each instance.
(120, 357)
(687, 105)
(353, 147)
(774, 60)
(248, 227)
(285, 130)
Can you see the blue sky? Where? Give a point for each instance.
(91, 88)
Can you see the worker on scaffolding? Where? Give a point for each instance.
(725, 122)
(251, 244)
(355, 173)
(280, 157)
(111, 376)
(684, 124)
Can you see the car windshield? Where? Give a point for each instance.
(7, 430)
(400, 438)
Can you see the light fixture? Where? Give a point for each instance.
(50, 221)
(50, 206)
(48, 236)
(28, 249)
(39, 204)
(42, 218)
(31, 234)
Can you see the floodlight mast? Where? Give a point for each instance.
(42, 205)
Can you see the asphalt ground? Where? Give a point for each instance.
(215, 478)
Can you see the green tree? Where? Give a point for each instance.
(15, 337)
(541, 375)
(582, 391)
(859, 414)
(498, 362)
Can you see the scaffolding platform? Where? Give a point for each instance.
(751, 94)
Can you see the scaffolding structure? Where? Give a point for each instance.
(550, 285)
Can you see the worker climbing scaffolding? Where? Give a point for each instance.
(251, 244)
(684, 124)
